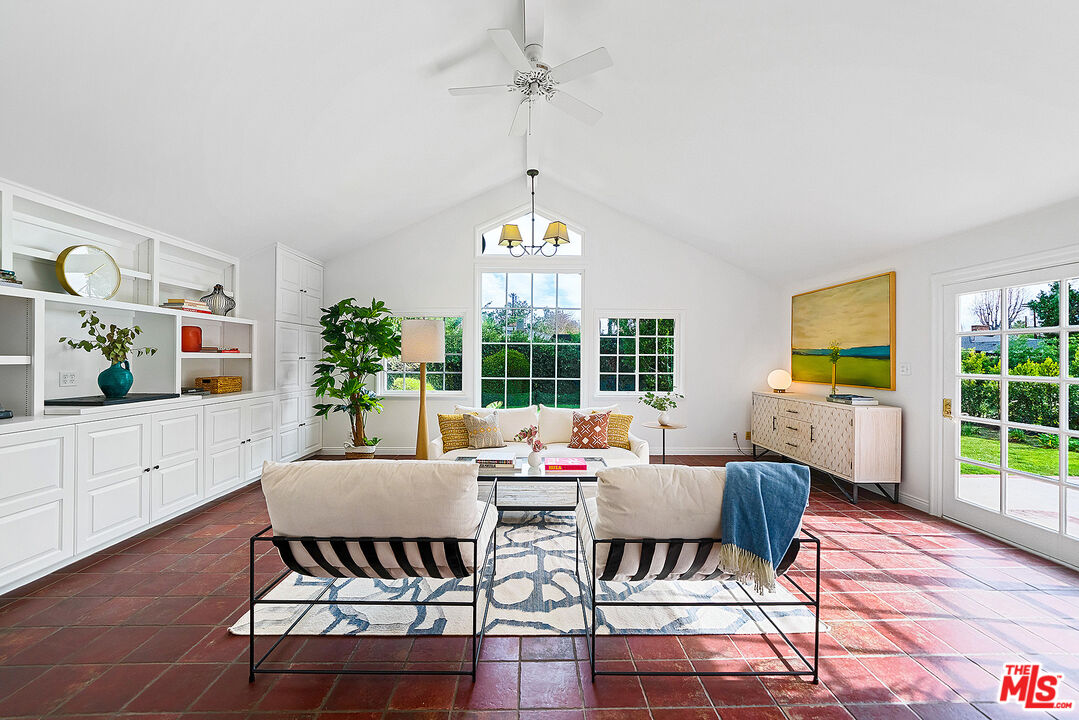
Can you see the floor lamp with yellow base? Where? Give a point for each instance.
(423, 341)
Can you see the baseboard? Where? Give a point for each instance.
(654, 451)
(915, 502)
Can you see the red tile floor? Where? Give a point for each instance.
(923, 614)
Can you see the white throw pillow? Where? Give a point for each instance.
(659, 501)
(514, 420)
(556, 424)
(372, 498)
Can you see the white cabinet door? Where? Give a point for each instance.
(832, 448)
(176, 480)
(259, 441)
(112, 480)
(290, 411)
(310, 355)
(289, 343)
(290, 279)
(37, 501)
(290, 306)
(224, 448)
(288, 443)
(310, 309)
(764, 427)
(312, 436)
(312, 279)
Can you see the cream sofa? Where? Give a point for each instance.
(555, 427)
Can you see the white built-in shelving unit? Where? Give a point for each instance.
(74, 480)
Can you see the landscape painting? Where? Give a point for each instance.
(859, 317)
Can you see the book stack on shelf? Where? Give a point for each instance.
(195, 306)
(494, 461)
(849, 399)
(566, 464)
(8, 279)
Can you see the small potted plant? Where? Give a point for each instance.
(530, 436)
(116, 344)
(355, 340)
(662, 402)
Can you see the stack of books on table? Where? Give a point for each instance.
(566, 464)
(8, 279)
(853, 399)
(494, 461)
(196, 306)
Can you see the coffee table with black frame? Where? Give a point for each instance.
(522, 472)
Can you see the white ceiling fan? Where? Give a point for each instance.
(534, 79)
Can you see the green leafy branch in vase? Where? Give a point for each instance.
(114, 342)
(661, 401)
(833, 357)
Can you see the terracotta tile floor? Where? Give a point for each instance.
(923, 614)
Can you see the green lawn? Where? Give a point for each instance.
(1040, 461)
(866, 372)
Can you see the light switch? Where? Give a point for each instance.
(904, 368)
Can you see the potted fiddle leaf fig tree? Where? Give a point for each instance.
(355, 340)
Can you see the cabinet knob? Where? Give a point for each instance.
(157, 467)
(302, 424)
(146, 469)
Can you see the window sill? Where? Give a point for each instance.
(413, 395)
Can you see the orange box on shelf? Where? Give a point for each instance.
(219, 384)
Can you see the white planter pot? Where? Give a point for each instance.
(535, 460)
(365, 452)
(664, 419)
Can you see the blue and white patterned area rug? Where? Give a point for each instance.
(535, 593)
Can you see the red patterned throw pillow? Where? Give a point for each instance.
(590, 431)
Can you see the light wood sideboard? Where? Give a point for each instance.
(857, 444)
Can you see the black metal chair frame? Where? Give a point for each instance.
(257, 598)
(811, 601)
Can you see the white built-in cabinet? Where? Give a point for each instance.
(299, 288)
(37, 501)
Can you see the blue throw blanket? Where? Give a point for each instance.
(763, 504)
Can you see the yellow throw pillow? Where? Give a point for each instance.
(618, 430)
(454, 432)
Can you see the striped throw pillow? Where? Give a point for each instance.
(618, 430)
(454, 432)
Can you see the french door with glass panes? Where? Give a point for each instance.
(1011, 443)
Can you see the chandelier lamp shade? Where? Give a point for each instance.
(557, 233)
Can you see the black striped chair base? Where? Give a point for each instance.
(697, 560)
(336, 558)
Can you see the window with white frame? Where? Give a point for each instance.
(402, 377)
(638, 353)
(530, 339)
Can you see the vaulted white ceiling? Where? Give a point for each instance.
(793, 135)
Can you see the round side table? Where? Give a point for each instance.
(664, 429)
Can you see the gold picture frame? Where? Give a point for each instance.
(859, 317)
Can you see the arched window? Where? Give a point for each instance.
(489, 247)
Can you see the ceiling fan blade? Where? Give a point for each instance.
(481, 90)
(577, 108)
(507, 45)
(521, 119)
(586, 64)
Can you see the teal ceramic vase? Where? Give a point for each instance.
(116, 380)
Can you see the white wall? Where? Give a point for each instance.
(627, 265)
(1046, 229)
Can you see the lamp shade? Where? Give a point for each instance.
(423, 341)
(779, 380)
(557, 234)
(511, 236)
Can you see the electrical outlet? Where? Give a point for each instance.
(734, 436)
(749, 435)
(68, 378)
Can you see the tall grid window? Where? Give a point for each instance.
(531, 339)
(445, 376)
(637, 354)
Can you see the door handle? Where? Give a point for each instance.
(792, 428)
(773, 423)
(157, 467)
(146, 469)
(811, 428)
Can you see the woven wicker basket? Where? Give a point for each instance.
(219, 384)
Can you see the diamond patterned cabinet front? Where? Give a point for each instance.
(832, 440)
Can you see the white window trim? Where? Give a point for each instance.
(466, 357)
(524, 265)
(542, 261)
(593, 354)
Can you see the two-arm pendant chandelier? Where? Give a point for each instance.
(557, 234)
